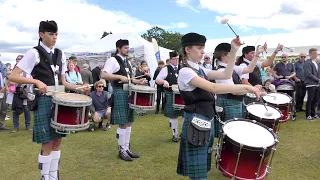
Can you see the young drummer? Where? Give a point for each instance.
(47, 65)
(196, 91)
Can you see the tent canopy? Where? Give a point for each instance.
(140, 49)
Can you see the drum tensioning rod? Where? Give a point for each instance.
(261, 160)
(273, 149)
(238, 158)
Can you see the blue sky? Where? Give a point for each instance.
(168, 11)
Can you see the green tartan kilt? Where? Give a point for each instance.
(194, 161)
(121, 113)
(232, 109)
(169, 111)
(42, 131)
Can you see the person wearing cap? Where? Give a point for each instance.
(118, 70)
(232, 102)
(197, 92)
(47, 65)
(166, 78)
(248, 53)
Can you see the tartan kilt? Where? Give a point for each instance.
(169, 111)
(194, 161)
(42, 131)
(232, 109)
(121, 113)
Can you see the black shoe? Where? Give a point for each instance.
(124, 156)
(175, 139)
(132, 154)
(157, 112)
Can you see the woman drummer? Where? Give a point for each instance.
(232, 102)
(197, 93)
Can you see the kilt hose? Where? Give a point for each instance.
(169, 111)
(232, 109)
(194, 161)
(121, 113)
(42, 131)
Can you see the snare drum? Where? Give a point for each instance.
(249, 98)
(142, 97)
(257, 111)
(246, 149)
(281, 101)
(178, 102)
(70, 112)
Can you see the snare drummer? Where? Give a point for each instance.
(248, 53)
(168, 77)
(37, 64)
(232, 102)
(196, 91)
(118, 70)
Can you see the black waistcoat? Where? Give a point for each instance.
(199, 101)
(122, 71)
(236, 80)
(171, 77)
(255, 76)
(42, 71)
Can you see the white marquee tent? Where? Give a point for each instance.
(141, 49)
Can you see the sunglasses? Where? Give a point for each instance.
(284, 56)
(99, 86)
(303, 56)
(18, 59)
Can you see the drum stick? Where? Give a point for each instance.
(50, 91)
(84, 86)
(137, 77)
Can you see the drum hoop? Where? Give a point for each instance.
(251, 121)
(277, 109)
(67, 127)
(73, 103)
(137, 107)
(148, 90)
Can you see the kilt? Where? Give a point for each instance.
(42, 131)
(121, 113)
(169, 111)
(194, 161)
(232, 109)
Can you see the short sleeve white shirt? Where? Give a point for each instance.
(112, 66)
(246, 76)
(164, 72)
(32, 58)
(186, 74)
(237, 69)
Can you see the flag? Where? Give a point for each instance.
(156, 49)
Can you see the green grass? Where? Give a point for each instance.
(93, 155)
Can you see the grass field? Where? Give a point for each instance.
(93, 155)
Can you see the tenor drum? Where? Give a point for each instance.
(270, 118)
(245, 150)
(281, 101)
(142, 97)
(70, 112)
(178, 102)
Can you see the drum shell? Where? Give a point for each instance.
(178, 102)
(142, 97)
(71, 115)
(283, 107)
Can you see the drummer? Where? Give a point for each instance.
(196, 91)
(37, 63)
(118, 70)
(232, 102)
(248, 53)
(168, 77)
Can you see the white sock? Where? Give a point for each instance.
(121, 135)
(174, 126)
(127, 141)
(44, 166)
(55, 155)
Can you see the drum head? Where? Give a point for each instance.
(72, 99)
(277, 98)
(251, 95)
(249, 133)
(141, 88)
(259, 110)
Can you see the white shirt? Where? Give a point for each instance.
(207, 66)
(246, 76)
(164, 72)
(315, 63)
(112, 66)
(237, 69)
(186, 74)
(32, 58)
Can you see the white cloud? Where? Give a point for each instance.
(179, 25)
(284, 14)
(78, 21)
(186, 3)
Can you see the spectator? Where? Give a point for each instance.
(75, 61)
(86, 74)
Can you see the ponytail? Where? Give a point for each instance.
(240, 60)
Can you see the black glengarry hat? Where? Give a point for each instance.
(193, 39)
(48, 26)
(223, 47)
(173, 54)
(248, 49)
